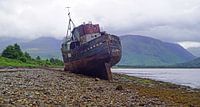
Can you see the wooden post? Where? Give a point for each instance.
(108, 71)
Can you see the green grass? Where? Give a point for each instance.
(5, 62)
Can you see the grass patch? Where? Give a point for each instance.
(6, 62)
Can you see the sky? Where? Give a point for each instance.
(175, 21)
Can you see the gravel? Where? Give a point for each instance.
(42, 87)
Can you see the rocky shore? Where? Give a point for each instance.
(55, 88)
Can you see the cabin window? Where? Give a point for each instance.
(69, 55)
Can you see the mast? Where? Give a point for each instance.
(71, 25)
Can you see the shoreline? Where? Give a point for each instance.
(173, 76)
(177, 95)
(156, 68)
(124, 90)
(159, 81)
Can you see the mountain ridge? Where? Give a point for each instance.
(137, 50)
(45, 47)
(195, 63)
(195, 51)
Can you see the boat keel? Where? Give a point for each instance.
(102, 71)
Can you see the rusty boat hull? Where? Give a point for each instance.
(94, 58)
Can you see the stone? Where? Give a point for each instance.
(37, 93)
(97, 79)
(119, 87)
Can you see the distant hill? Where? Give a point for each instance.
(191, 64)
(45, 47)
(137, 50)
(194, 51)
(5, 41)
(144, 51)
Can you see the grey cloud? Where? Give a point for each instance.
(169, 20)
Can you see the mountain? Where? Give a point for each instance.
(145, 51)
(195, 51)
(5, 41)
(45, 47)
(136, 50)
(191, 64)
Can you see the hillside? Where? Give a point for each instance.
(137, 50)
(194, 51)
(144, 51)
(191, 64)
(13, 56)
(45, 47)
(5, 41)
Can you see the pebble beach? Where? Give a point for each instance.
(38, 87)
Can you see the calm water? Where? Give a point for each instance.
(187, 77)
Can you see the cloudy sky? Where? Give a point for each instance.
(168, 20)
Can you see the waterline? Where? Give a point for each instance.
(187, 77)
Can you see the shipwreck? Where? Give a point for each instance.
(88, 50)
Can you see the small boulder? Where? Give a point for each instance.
(142, 104)
(119, 87)
(97, 79)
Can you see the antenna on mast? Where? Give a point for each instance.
(71, 25)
